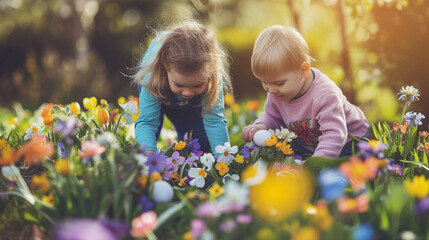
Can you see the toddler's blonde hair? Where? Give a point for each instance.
(278, 48)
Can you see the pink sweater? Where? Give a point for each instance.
(322, 118)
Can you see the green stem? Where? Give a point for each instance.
(117, 124)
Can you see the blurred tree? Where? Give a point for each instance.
(400, 44)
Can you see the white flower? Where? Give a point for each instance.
(34, 129)
(234, 177)
(235, 193)
(207, 159)
(198, 175)
(162, 192)
(11, 173)
(129, 109)
(409, 94)
(261, 172)
(226, 152)
(283, 133)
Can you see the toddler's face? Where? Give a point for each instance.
(187, 86)
(286, 85)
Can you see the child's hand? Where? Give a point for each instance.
(250, 130)
(149, 152)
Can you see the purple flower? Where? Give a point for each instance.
(395, 168)
(7, 186)
(244, 218)
(67, 129)
(90, 229)
(415, 117)
(155, 162)
(246, 150)
(363, 232)
(175, 160)
(372, 147)
(146, 204)
(192, 159)
(422, 207)
(62, 149)
(228, 226)
(333, 184)
(208, 209)
(195, 147)
(197, 228)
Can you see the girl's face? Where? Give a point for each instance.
(187, 86)
(287, 84)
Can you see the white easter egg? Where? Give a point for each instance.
(162, 192)
(261, 136)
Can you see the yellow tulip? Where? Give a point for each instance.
(103, 115)
(121, 100)
(75, 108)
(89, 103)
(103, 102)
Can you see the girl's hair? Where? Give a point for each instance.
(278, 48)
(187, 48)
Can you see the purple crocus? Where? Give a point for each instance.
(90, 229)
(246, 150)
(244, 218)
(395, 168)
(195, 147)
(208, 209)
(155, 162)
(372, 147)
(422, 207)
(146, 204)
(175, 160)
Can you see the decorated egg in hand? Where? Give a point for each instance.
(261, 136)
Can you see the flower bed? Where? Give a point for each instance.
(80, 175)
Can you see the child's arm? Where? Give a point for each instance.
(147, 123)
(249, 131)
(332, 120)
(215, 124)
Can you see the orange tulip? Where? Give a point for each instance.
(103, 115)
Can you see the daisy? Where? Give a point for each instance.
(409, 94)
(35, 129)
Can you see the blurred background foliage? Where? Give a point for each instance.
(64, 50)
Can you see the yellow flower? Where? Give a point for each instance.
(103, 115)
(418, 187)
(62, 166)
(229, 99)
(216, 190)
(75, 108)
(48, 199)
(41, 182)
(188, 236)
(181, 145)
(277, 197)
(272, 141)
(3, 143)
(320, 215)
(265, 233)
(306, 233)
(8, 155)
(121, 100)
(284, 147)
(235, 108)
(182, 181)
(155, 177)
(142, 181)
(89, 103)
(222, 167)
(239, 158)
(103, 102)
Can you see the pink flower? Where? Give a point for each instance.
(143, 224)
(91, 149)
(359, 204)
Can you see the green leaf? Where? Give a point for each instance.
(316, 164)
(418, 164)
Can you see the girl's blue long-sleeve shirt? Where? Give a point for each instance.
(146, 126)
